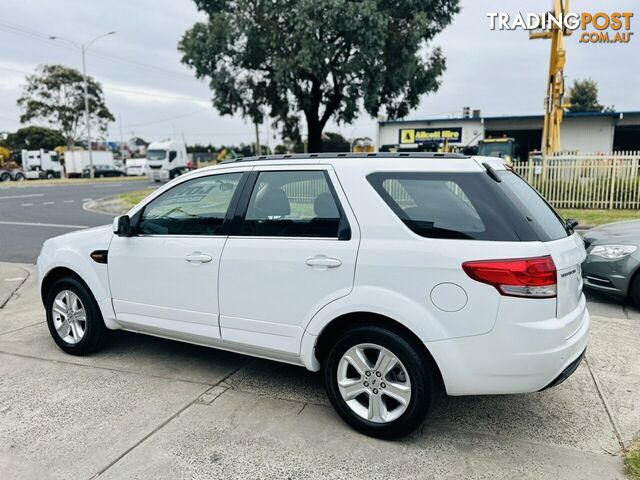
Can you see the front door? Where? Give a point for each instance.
(164, 277)
(293, 252)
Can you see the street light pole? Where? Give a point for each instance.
(86, 109)
(83, 49)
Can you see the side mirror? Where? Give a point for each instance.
(122, 226)
(570, 223)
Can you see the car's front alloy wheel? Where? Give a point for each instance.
(69, 317)
(74, 318)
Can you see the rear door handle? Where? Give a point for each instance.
(197, 257)
(322, 262)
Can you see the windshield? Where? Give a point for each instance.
(495, 149)
(156, 154)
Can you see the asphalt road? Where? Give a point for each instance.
(31, 214)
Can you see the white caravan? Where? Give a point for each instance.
(166, 160)
(41, 164)
(77, 161)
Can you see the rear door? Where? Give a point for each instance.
(294, 251)
(567, 251)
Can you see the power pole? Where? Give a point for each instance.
(553, 107)
(83, 48)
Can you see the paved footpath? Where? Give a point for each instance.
(147, 408)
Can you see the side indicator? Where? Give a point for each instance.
(100, 256)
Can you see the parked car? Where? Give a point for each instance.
(101, 171)
(392, 273)
(613, 260)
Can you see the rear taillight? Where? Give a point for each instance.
(519, 277)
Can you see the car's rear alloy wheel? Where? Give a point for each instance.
(69, 317)
(374, 383)
(378, 381)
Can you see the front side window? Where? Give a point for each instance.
(195, 207)
(292, 204)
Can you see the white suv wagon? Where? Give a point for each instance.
(394, 274)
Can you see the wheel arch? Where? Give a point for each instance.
(53, 276)
(347, 321)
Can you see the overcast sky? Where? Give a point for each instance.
(155, 96)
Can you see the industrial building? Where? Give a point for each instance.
(586, 132)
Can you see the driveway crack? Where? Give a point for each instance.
(615, 428)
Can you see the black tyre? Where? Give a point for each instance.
(5, 177)
(18, 177)
(378, 382)
(634, 289)
(74, 319)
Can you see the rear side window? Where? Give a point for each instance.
(293, 204)
(468, 206)
(544, 220)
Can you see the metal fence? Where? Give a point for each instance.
(586, 180)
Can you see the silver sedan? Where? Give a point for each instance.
(613, 260)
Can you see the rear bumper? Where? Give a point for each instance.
(515, 357)
(567, 372)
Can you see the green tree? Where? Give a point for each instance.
(334, 142)
(55, 95)
(583, 97)
(34, 138)
(320, 58)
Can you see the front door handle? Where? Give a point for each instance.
(322, 262)
(197, 257)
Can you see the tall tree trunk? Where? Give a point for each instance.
(314, 128)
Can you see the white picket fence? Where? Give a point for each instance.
(586, 180)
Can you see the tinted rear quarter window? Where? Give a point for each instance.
(468, 206)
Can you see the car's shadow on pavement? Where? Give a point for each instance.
(570, 414)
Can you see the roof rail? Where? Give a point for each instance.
(306, 156)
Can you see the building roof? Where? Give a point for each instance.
(512, 117)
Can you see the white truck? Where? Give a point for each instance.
(41, 164)
(77, 161)
(166, 159)
(136, 167)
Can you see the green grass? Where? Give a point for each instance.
(632, 461)
(71, 181)
(591, 218)
(131, 199)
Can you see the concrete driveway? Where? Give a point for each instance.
(151, 408)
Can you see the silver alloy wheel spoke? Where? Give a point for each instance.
(377, 409)
(355, 356)
(63, 329)
(81, 315)
(385, 362)
(350, 389)
(379, 391)
(69, 317)
(397, 391)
